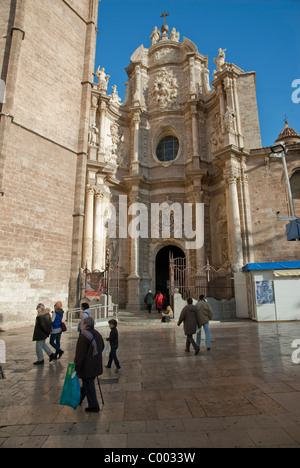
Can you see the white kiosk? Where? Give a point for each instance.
(269, 292)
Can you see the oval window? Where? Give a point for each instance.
(167, 149)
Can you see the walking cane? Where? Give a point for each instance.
(100, 390)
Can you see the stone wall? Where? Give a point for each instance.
(41, 130)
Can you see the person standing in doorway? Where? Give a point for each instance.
(56, 333)
(204, 314)
(149, 301)
(42, 330)
(189, 317)
(159, 300)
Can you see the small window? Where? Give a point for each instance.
(295, 185)
(167, 149)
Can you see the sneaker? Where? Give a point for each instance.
(107, 367)
(117, 370)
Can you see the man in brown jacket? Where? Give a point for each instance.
(205, 314)
(189, 317)
(88, 362)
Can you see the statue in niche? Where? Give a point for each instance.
(102, 79)
(93, 135)
(230, 120)
(221, 59)
(155, 36)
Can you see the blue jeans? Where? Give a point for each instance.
(55, 341)
(40, 346)
(113, 357)
(207, 336)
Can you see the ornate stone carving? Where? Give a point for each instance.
(165, 89)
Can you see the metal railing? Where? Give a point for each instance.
(99, 312)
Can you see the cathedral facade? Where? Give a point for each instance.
(82, 173)
(179, 139)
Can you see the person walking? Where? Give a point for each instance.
(190, 319)
(56, 333)
(86, 312)
(159, 300)
(149, 301)
(42, 330)
(114, 345)
(88, 362)
(204, 314)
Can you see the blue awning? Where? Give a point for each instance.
(293, 230)
(272, 266)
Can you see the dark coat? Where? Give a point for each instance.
(114, 337)
(87, 365)
(149, 299)
(43, 327)
(189, 317)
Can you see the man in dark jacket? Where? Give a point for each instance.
(149, 301)
(189, 317)
(88, 362)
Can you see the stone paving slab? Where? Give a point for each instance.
(244, 393)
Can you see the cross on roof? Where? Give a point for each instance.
(164, 15)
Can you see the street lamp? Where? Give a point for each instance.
(279, 151)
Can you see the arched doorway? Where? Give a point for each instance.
(162, 268)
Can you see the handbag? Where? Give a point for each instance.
(71, 392)
(63, 326)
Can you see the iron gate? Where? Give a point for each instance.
(209, 281)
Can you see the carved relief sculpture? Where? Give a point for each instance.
(165, 90)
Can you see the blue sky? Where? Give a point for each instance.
(259, 35)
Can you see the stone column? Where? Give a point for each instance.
(101, 152)
(99, 238)
(234, 222)
(136, 144)
(87, 260)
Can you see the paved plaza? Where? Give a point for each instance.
(244, 393)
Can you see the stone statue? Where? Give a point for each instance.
(155, 36)
(93, 135)
(221, 59)
(102, 79)
(115, 98)
(175, 36)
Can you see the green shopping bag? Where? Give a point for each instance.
(71, 391)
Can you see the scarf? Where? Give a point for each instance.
(91, 338)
